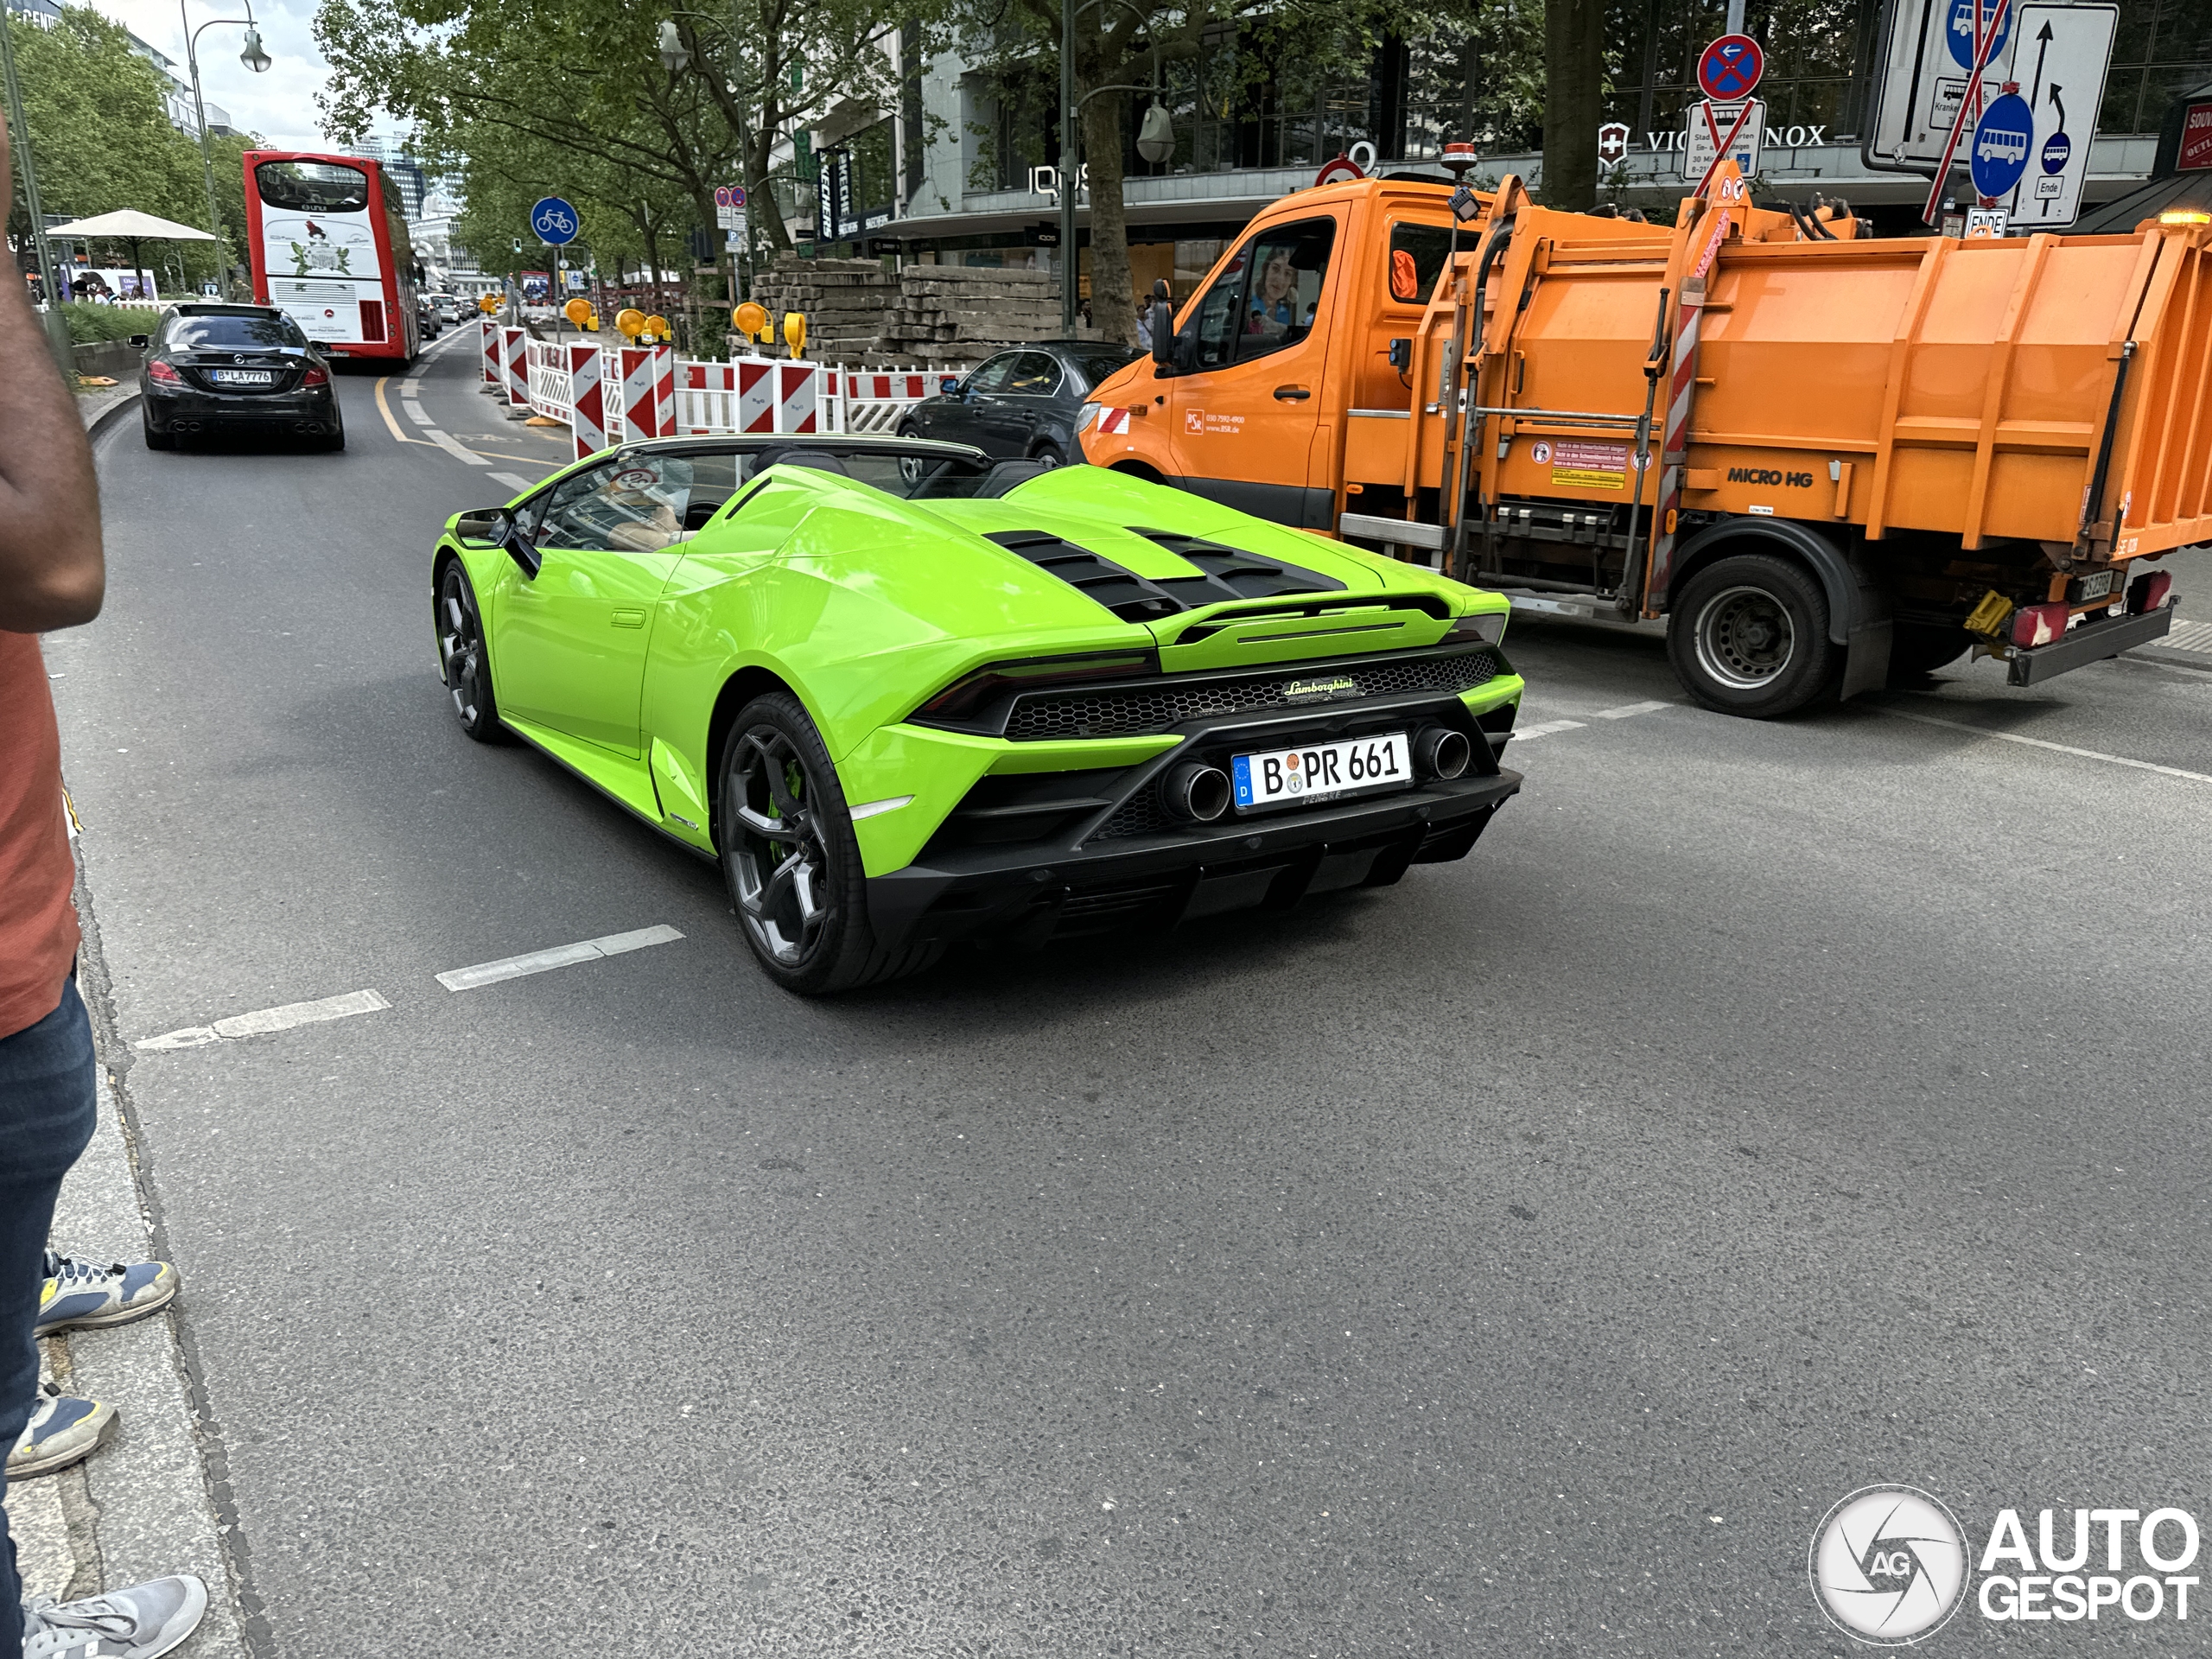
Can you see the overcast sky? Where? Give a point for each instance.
(280, 104)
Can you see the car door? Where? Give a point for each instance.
(1247, 404)
(568, 642)
(969, 416)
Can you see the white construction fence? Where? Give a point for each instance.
(607, 394)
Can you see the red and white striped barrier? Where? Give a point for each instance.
(648, 404)
(587, 418)
(515, 365)
(491, 359)
(613, 394)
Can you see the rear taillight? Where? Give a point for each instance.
(2149, 592)
(2038, 625)
(157, 370)
(315, 376)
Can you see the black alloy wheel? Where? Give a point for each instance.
(464, 660)
(1748, 635)
(1050, 453)
(790, 856)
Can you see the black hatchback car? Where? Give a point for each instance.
(213, 368)
(1022, 403)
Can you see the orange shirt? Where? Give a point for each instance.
(38, 924)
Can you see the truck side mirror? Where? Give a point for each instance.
(1162, 324)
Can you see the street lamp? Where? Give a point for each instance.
(254, 57)
(674, 54)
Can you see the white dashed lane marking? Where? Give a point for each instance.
(1626, 711)
(512, 480)
(560, 956)
(268, 1020)
(2053, 748)
(415, 412)
(445, 441)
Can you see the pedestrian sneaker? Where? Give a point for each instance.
(64, 1429)
(141, 1623)
(90, 1297)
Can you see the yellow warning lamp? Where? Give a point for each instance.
(487, 303)
(2185, 216)
(629, 322)
(659, 326)
(751, 320)
(795, 332)
(578, 310)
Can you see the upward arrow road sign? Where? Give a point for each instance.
(2059, 59)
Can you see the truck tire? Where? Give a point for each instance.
(1918, 649)
(1749, 635)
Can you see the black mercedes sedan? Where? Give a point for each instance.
(214, 368)
(1023, 402)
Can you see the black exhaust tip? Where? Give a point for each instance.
(1439, 752)
(1196, 792)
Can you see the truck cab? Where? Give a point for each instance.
(1281, 351)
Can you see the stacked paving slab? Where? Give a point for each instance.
(859, 316)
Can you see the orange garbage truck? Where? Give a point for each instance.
(1828, 460)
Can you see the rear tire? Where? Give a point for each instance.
(1918, 649)
(465, 656)
(1049, 454)
(791, 861)
(1748, 635)
(154, 440)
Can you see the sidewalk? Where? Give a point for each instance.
(142, 1507)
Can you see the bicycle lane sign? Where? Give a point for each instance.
(554, 221)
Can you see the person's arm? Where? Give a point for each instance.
(53, 573)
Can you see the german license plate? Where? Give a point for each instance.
(245, 377)
(1321, 772)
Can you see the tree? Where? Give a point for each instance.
(100, 129)
(1574, 89)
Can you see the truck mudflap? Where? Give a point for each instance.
(2091, 643)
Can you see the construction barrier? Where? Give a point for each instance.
(648, 392)
(493, 348)
(515, 365)
(587, 418)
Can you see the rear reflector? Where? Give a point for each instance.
(2149, 592)
(2038, 625)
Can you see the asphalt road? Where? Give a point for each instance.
(1519, 1261)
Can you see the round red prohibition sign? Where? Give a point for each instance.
(1730, 68)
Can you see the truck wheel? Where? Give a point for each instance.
(1749, 636)
(1920, 648)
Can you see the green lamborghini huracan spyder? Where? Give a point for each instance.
(909, 696)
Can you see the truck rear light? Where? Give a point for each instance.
(2149, 592)
(2038, 625)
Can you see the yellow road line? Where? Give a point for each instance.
(384, 409)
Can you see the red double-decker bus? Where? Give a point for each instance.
(327, 237)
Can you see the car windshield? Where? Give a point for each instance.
(915, 474)
(231, 334)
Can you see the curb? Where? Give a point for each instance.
(113, 412)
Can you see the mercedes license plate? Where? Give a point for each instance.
(1322, 772)
(245, 377)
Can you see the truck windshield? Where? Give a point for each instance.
(312, 186)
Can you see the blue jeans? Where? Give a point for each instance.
(49, 1102)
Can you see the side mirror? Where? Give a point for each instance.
(142, 342)
(1161, 325)
(486, 526)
